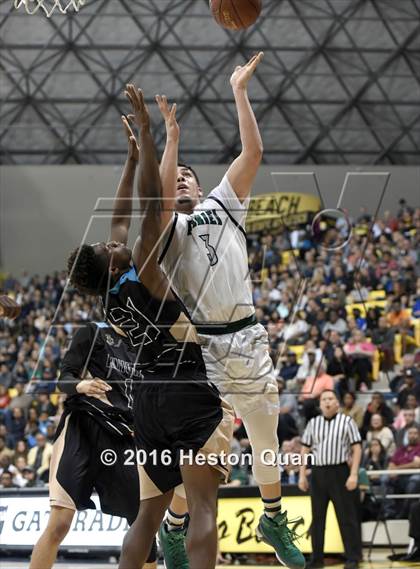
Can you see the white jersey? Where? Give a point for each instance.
(206, 261)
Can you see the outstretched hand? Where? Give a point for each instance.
(140, 110)
(133, 147)
(243, 73)
(169, 116)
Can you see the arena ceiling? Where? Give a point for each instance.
(340, 82)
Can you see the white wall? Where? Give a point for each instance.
(45, 210)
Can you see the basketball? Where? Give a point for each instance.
(235, 14)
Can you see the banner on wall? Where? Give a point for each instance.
(24, 518)
(238, 519)
(268, 212)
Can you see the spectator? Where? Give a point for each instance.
(287, 428)
(4, 399)
(377, 405)
(6, 480)
(21, 450)
(397, 316)
(290, 471)
(339, 369)
(372, 319)
(6, 435)
(290, 367)
(312, 389)
(42, 404)
(50, 432)
(21, 399)
(335, 323)
(398, 380)
(333, 341)
(383, 337)
(310, 361)
(39, 457)
(5, 376)
(43, 422)
(403, 425)
(375, 458)
(295, 332)
(361, 353)
(404, 458)
(409, 386)
(4, 450)
(377, 430)
(20, 464)
(31, 478)
(31, 428)
(16, 425)
(351, 408)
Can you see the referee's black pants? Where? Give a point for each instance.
(329, 483)
(414, 519)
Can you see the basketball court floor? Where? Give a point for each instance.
(379, 561)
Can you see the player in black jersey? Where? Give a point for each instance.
(97, 419)
(86, 268)
(176, 411)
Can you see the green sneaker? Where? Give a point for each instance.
(274, 532)
(173, 546)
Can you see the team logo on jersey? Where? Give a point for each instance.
(208, 217)
(109, 340)
(135, 324)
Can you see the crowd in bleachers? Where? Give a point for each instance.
(343, 319)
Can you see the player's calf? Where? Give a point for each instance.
(46, 549)
(201, 486)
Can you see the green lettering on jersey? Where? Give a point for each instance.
(208, 217)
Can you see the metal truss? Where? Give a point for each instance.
(340, 82)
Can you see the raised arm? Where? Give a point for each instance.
(243, 170)
(169, 163)
(146, 249)
(121, 216)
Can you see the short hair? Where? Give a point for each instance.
(181, 165)
(87, 273)
(328, 391)
(351, 393)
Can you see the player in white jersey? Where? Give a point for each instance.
(205, 258)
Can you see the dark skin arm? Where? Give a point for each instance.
(146, 248)
(121, 216)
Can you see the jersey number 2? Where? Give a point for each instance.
(211, 251)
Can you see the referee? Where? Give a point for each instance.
(332, 437)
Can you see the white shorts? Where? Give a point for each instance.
(240, 366)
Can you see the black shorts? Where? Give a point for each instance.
(174, 420)
(76, 470)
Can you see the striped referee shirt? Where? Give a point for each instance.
(330, 439)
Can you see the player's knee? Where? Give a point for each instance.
(264, 464)
(58, 530)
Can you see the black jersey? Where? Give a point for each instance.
(146, 321)
(96, 349)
